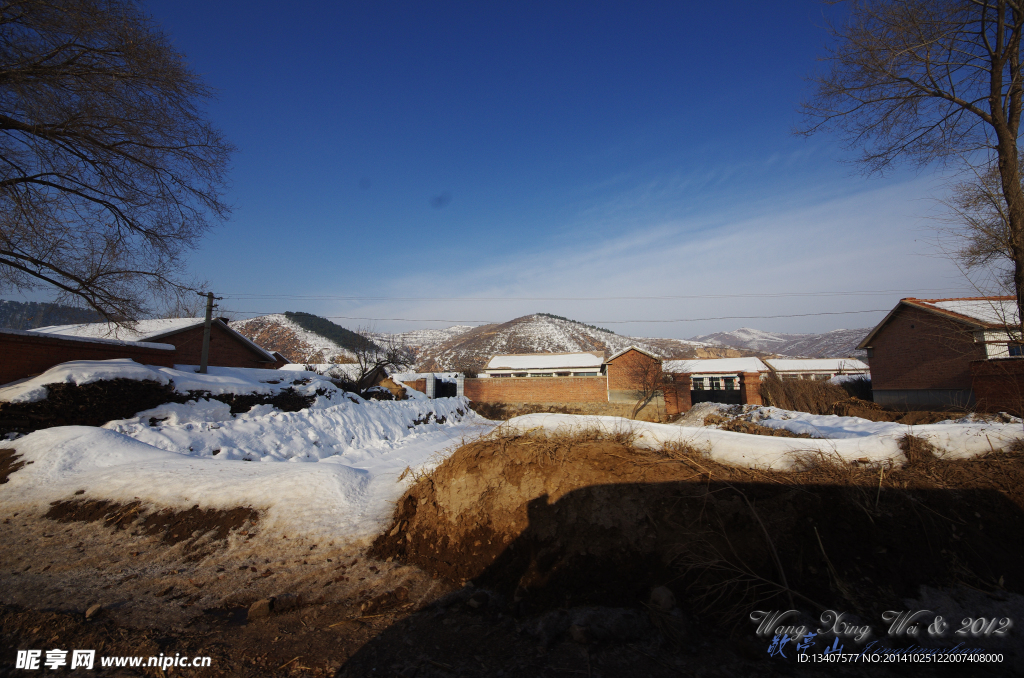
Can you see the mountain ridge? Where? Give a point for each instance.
(840, 343)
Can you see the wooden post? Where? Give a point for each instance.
(205, 359)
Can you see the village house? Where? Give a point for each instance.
(733, 381)
(584, 377)
(166, 342)
(947, 353)
(820, 369)
(588, 364)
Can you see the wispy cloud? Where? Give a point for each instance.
(873, 240)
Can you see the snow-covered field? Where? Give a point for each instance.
(848, 438)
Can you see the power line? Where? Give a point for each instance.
(761, 295)
(602, 322)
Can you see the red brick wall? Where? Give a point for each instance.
(225, 349)
(677, 394)
(418, 385)
(537, 389)
(619, 370)
(750, 388)
(999, 385)
(920, 350)
(25, 355)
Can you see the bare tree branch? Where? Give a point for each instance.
(109, 170)
(935, 80)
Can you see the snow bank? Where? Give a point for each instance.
(870, 442)
(362, 450)
(218, 380)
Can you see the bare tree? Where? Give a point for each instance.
(979, 238)
(926, 81)
(386, 351)
(646, 380)
(109, 170)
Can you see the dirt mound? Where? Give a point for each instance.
(564, 521)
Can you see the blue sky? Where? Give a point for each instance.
(479, 161)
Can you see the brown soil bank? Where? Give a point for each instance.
(557, 522)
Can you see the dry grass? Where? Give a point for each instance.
(815, 397)
(506, 411)
(916, 450)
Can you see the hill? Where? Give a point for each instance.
(834, 344)
(544, 333)
(27, 315)
(301, 337)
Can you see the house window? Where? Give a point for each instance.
(520, 374)
(563, 374)
(716, 383)
(501, 375)
(697, 383)
(585, 374)
(541, 374)
(1016, 350)
(730, 383)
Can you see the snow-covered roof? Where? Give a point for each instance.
(141, 331)
(816, 365)
(991, 310)
(712, 365)
(115, 342)
(983, 312)
(632, 348)
(546, 361)
(145, 330)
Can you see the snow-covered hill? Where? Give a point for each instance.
(278, 333)
(540, 333)
(834, 344)
(419, 339)
(462, 346)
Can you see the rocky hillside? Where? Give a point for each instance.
(279, 333)
(834, 344)
(541, 333)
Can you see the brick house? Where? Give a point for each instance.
(585, 364)
(821, 369)
(228, 348)
(732, 381)
(925, 352)
(25, 353)
(584, 377)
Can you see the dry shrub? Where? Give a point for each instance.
(916, 449)
(505, 411)
(552, 445)
(859, 388)
(814, 397)
(685, 450)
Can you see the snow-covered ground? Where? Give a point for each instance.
(180, 455)
(335, 468)
(185, 378)
(848, 438)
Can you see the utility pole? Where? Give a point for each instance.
(205, 359)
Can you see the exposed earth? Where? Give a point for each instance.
(529, 555)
